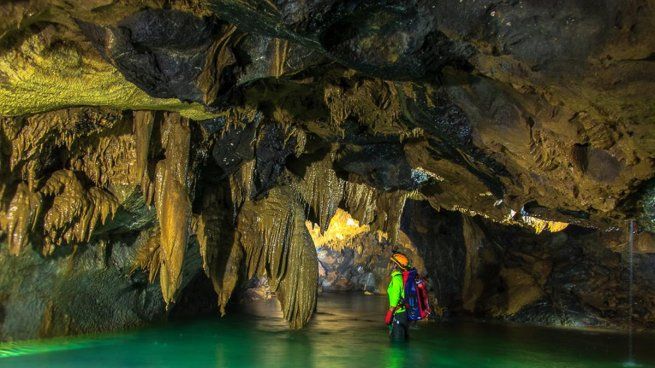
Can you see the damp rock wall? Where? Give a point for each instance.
(576, 277)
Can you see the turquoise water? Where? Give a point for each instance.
(347, 332)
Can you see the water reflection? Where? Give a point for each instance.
(396, 356)
(347, 332)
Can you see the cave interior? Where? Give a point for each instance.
(169, 158)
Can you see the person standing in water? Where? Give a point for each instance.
(396, 317)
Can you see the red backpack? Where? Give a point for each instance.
(416, 299)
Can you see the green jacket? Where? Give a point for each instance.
(396, 291)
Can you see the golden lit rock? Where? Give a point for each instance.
(75, 211)
(172, 203)
(277, 244)
(20, 218)
(40, 76)
(342, 227)
(540, 225)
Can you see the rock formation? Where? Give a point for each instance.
(149, 140)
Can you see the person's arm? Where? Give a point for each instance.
(393, 292)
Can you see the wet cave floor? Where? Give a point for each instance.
(346, 332)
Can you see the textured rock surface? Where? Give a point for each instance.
(85, 291)
(509, 117)
(576, 277)
(42, 74)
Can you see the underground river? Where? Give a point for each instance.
(346, 332)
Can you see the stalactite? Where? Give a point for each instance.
(359, 200)
(106, 159)
(241, 184)
(21, 217)
(143, 124)
(221, 253)
(276, 243)
(169, 191)
(34, 139)
(322, 190)
(207, 232)
(91, 144)
(228, 272)
(75, 211)
(388, 210)
(148, 256)
(297, 291)
(172, 203)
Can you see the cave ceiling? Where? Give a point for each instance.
(159, 113)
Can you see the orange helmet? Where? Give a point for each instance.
(400, 259)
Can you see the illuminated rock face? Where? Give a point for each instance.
(202, 137)
(351, 257)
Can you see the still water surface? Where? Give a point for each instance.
(346, 332)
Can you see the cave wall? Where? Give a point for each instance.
(575, 277)
(90, 291)
(440, 243)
